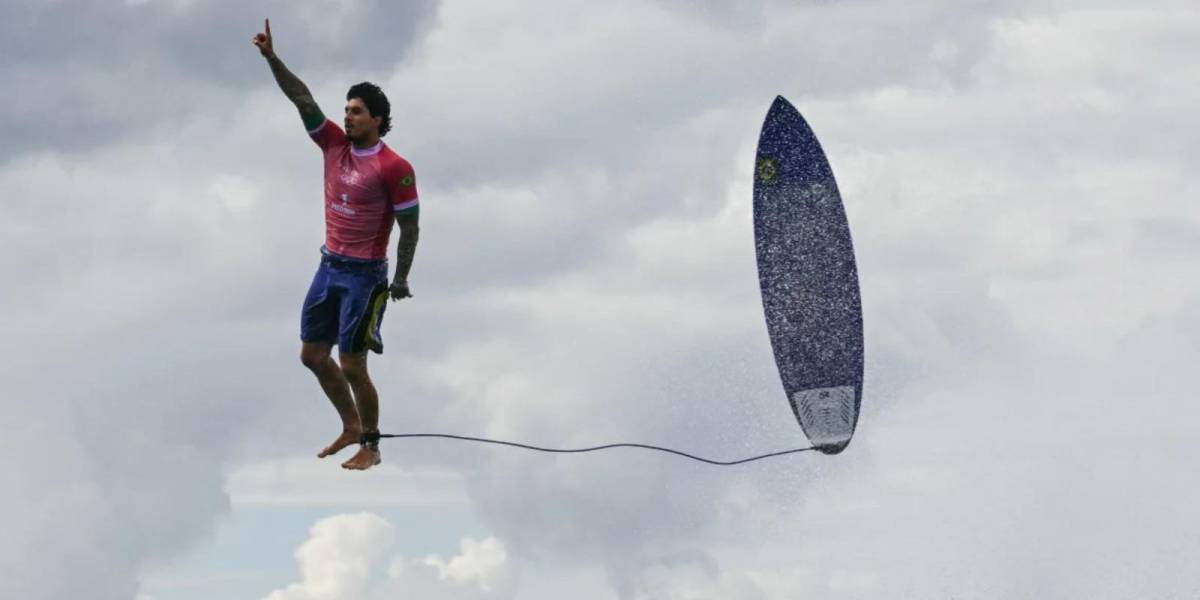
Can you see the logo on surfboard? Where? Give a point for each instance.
(768, 170)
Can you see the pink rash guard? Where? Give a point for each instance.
(363, 191)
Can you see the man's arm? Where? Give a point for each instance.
(406, 249)
(291, 85)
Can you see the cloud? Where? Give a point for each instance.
(575, 93)
(482, 569)
(80, 78)
(1018, 182)
(338, 558)
(345, 554)
(994, 219)
(304, 482)
(140, 411)
(694, 577)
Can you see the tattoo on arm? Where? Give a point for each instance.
(294, 89)
(407, 248)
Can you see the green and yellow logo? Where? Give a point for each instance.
(768, 170)
(407, 181)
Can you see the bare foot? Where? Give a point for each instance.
(348, 437)
(366, 458)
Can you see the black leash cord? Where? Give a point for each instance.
(593, 449)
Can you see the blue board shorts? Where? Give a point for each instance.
(345, 303)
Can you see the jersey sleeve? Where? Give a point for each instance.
(327, 135)
(402, 185)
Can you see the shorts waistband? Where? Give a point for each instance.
(333, 258)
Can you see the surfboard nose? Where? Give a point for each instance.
(781, 105)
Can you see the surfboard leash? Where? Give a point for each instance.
(373, 438)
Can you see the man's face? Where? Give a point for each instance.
(359, 122)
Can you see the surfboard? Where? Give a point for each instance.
(809, 279)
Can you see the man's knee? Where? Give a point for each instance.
(355, 367)
(314, 355)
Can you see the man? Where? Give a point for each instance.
(366, 184)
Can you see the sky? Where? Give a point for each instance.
(1024, 215)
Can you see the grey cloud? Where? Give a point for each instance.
(83, 73)
(105, 469)
(794, 53)
(955, 336)
(652, 154)
(1167, 239)
(142, 406)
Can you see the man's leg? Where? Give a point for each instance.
(354, 366)
(316, 356)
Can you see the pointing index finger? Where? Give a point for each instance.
(267, 24)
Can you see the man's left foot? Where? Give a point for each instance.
(364, 459)
(347, 438)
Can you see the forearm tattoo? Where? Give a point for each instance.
(293, 88)
(407, 248)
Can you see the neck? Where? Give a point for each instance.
(367, 141)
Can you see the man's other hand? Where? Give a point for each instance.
(400, 290)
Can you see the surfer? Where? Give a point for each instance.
(366, 186)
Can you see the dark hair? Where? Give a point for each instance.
(377, 103)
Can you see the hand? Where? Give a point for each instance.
(400, 290)
(263, 40)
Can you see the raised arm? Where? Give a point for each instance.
(291, 85)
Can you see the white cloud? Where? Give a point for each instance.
(344, 557)
(339, 557)
(482, 569)
(478, 564)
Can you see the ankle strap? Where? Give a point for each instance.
(370, 439)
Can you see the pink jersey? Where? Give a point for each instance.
(363, 190)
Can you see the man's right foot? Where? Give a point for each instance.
(347, 438)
